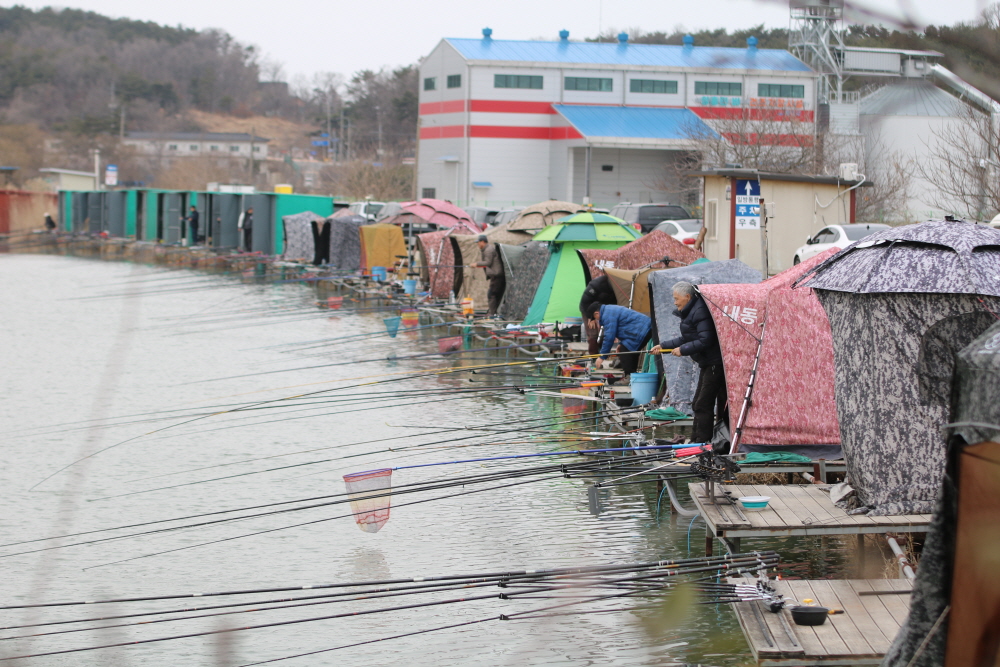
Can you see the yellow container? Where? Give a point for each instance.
(468, 307)
(283, 189)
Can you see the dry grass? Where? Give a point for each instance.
(284, 134)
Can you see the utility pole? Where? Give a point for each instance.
(97, 169)
(378, 116)
(340, 136)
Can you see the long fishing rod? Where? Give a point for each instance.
(308, 463)
(409, 375)
(580, 569)
(400, 489)
(755, 565)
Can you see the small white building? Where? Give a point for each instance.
(506, 122)
(197, 144)
(68, 179)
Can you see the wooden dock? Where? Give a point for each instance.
(795, 509)
(859, 636)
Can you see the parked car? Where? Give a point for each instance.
(685, 231)
(388, 210)
(482, 215)
(506, 215)
(368, 209)
(835, 236)
(649, 216)
(995, 222)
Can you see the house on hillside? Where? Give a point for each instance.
(221, 145)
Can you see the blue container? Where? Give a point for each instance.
(378, 273)
(644, 386)
(410, 286)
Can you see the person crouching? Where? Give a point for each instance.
(632, 329)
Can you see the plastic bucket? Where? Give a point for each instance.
(378, 273)
(409, 286)
(644, 386)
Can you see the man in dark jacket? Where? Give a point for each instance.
(193, 219)
(631, 328)
(700, 341)
(489, 259)
(598, 291)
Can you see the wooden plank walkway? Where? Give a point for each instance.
(795, 509)
(859, 636)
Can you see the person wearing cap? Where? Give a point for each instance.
(489, 259)
(632, 329)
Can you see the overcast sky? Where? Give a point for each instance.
(311, 36)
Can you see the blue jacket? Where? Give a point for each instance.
(698, 336)
(628, 326)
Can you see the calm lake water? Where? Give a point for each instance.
(98, 355)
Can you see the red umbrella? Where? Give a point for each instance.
(441, 213)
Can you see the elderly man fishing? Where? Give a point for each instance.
(700, 341)
(632, 329)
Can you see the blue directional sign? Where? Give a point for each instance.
(747, 204)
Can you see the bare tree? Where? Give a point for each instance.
(964, 165)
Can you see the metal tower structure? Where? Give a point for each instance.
(817, 39)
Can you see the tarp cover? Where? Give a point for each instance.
(793, 396)
(474, 281)
(521, 288)
(345, 241)
(682, 373)
(978, 410)
(381, 245)
(653, 246)
(539, 216)
(437, 269)
(299, 237)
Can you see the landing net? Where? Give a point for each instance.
(370, 513)
(392, 325)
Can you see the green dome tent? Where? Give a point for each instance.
(558, 293)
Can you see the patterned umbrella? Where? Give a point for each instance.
(540, 216)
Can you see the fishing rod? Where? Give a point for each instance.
(410, 375)
(409, 488)
(748, 565)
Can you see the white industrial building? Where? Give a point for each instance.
(197, 144)
(506, 122)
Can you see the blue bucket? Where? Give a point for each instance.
(409, 286)
(644, 386)
(378, 273)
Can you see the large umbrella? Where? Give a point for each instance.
(441, 213)
(902, 303)
(588, 227)
(540, 216)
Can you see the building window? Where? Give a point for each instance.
(717, 88)
(193, 147)
(711, 218)
(428, 193)
(454, 80)
(172, 147)
(780, 90)
(234, 149)
(652, 86)
(430, 83)
(517, 81)
(607, 167)
(588, 83)
(213, 148)
(256, 149)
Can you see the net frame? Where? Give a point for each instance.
(370, 513)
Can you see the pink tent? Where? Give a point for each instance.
(441, 213)
(438, 260)
(638, 253)
(793, 397)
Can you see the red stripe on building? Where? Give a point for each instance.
(451, 106)
(442, 132)
(508, 106)
(723, 113)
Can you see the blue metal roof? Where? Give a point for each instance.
(634, 122)
(656, 55)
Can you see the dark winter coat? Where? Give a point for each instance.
(698, 338)
(628, 326)
(598, 291)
